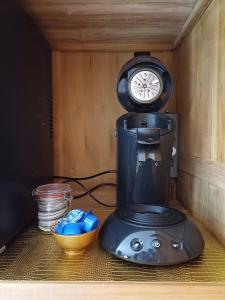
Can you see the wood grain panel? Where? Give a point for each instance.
(201, 189)
(112, 47)
(192, 19)
(198, 87)
(205, 201)
(211, 171)
(86, 22)
(24, 290)
(221, 83)
(86, 108)
(201, 106)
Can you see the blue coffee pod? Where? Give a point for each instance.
(75, 215)
(73, 228)
(64, 221)
(89, 212)
(59, 228)
(90, 222)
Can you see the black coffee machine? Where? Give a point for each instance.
(143, 229)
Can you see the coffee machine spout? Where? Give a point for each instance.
(148, 144)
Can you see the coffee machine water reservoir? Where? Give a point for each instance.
(144, 229)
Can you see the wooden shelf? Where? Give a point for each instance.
(33, 266)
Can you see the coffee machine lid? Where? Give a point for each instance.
(144, 84)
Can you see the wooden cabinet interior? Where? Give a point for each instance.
(90, 44)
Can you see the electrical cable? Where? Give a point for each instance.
(89, 191)
(87, 177)
(94, 188)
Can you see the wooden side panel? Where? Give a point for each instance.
(198, 87)
(221, 83)
(205, 201)
(86, 108)
(201, 108)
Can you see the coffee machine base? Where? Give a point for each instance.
(151, 235)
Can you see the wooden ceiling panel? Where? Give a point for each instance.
(73, 22)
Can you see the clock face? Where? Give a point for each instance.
(145, 86)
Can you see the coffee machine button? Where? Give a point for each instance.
(156, 244)
(136, 244)
(175, 245)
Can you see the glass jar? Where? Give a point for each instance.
(53, 200)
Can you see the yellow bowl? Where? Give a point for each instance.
(75, 244)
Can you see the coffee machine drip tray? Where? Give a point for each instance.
(152, 235)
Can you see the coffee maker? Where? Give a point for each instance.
(144, 229)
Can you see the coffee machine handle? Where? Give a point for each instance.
(148, 144)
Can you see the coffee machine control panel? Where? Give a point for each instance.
(154, 247)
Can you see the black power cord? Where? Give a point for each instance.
(95, 188)
(88, 177)
(89, 191)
